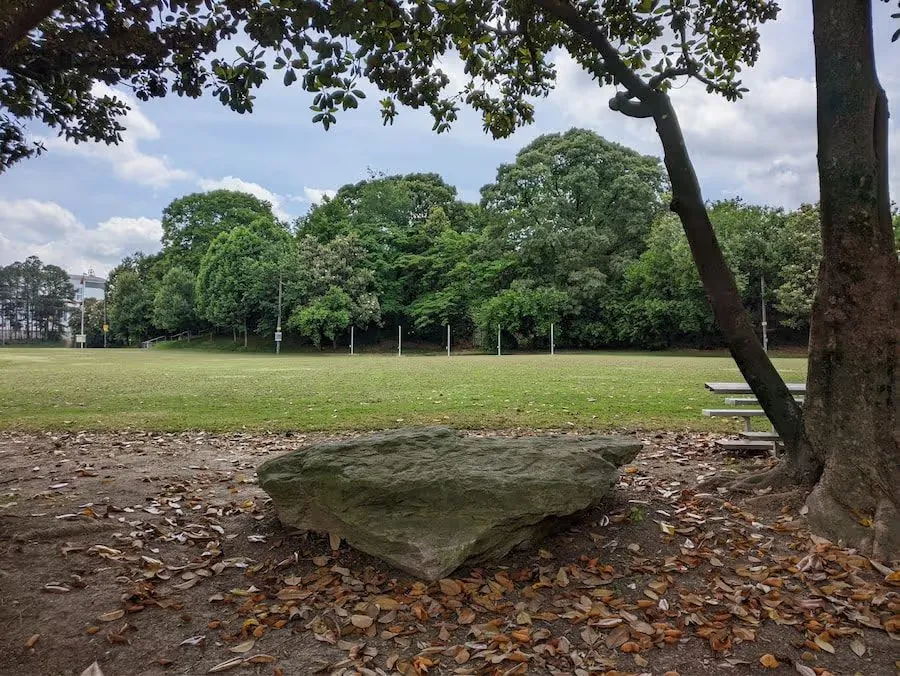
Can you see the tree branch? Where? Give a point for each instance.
(625, 104)
(570, 16)
(28, 20)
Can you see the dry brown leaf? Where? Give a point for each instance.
(769, 662)
(334, 541)
(226, 665)
(244, 647)
(858, 647)
(824, 645)
(262, 658)
(93, 670)
(450, 587)
(617, 637)
(289, 594)
(386, 603)
(361, 621)
(462, 656)
(32, 640)
(466, 616)
(112, 615)
(804, 670)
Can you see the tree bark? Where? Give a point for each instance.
(850, 411)
(245, 334)
(724, 297)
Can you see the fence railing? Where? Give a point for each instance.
(184, 335)
(154, 341)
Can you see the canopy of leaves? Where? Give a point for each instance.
(238, 278)
(53, 51)
(192, 222)
(173, 302)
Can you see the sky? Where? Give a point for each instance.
(86, 206)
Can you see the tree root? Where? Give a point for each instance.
(878, 537)
(794, 497)
(775, 478)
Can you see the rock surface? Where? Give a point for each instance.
(428, 499)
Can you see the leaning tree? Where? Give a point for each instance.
(844, 446)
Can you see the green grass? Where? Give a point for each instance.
(171, 390)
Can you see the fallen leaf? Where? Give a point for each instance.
(824, 645)
(193, 640)
(769, 662)
(244, 647)
(361, 621)
(225, 666)
(112, 616)
(32, 640)
(334, 541)
(462, 656)
(617, 637)
(450, 587)
(858, 647)
(93, 670)
(262, 658)
(466, 616)
(804, 670)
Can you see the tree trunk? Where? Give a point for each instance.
(721, 289)
(850, 411)
(245, 334)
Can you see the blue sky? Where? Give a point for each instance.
(86, 206)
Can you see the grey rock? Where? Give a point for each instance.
(429, 499)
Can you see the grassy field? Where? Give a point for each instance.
(171, 390)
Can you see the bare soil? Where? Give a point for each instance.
(152, 554)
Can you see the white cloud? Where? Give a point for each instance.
(255, 189)
(316, 195)
(762, 147)
(56, 236)
(127, 159)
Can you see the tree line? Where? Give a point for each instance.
(574, 232)
(34, 301)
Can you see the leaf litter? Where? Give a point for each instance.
(172, 536)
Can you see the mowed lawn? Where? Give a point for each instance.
(172, 390)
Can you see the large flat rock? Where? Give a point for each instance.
(429, 499)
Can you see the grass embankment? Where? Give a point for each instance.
(171, 390)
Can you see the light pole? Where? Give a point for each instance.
(83, 341)
(278, 327)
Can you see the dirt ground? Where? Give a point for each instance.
(154, 554)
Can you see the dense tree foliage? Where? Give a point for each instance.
(573, 232)
(192, 222)
(34, 300)
(174, 306)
